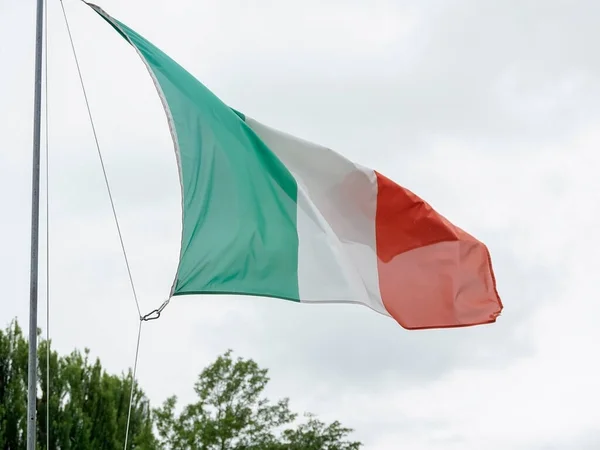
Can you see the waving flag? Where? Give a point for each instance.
(271, 215)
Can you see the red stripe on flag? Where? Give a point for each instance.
(432, 274)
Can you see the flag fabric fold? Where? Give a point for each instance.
(268, 214)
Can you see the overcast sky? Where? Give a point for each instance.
(490, 110)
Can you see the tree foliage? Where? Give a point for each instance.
(231, 414)
(89, 407)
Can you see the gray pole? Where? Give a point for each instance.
(35, 219)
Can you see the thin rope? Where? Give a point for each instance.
(153, 315)
(133, 378)
(112, 204)
(47, 153)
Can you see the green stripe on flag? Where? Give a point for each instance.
(239, 200)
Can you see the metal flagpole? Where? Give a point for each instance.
(35, 219)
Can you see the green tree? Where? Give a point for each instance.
(232, 414)
(316, 435)
(88, 407)
(13, 387)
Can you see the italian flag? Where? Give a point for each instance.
(268, 214)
